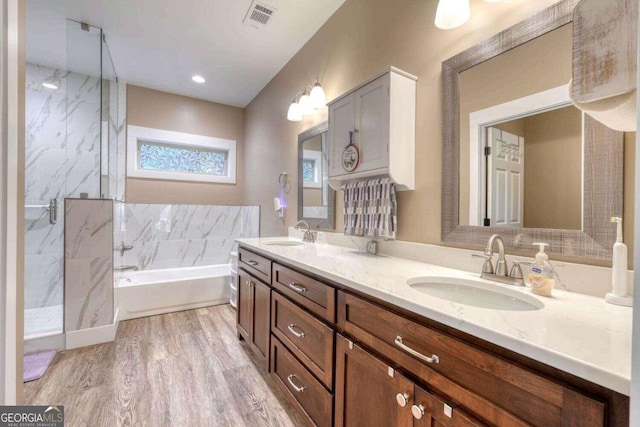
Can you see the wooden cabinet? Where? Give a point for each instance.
(497, 390)
(390, 367)
(379, 117)
(254, 313)
(369, 392)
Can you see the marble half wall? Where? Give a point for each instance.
(176, 236)
(88, 263)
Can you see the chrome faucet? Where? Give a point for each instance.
(122, 248)
(515, 276)
(309, 236)
(125, 267)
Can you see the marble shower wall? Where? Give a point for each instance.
(174, 236)
(88, 263)
(62, 159)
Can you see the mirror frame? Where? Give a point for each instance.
(603, 158)
(316, 223)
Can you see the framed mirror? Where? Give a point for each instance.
(518, 159)
(316, 199)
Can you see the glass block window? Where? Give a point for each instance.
(308, 170)
(179, 158)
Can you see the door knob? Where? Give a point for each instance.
(402, 399)
(417, 411)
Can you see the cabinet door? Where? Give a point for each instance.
(372, 123)
(341, 124)
(245, 306)
(429, 410)
(368, 392)
(261, 317)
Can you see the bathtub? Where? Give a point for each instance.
(151, 292)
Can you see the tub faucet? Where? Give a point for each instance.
(309, 236)
(125, 267)
(515, 277)
(122, 248)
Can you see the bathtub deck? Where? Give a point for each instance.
(184, 368)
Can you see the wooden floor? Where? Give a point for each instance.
(179, 369)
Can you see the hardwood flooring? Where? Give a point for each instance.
(179, 369)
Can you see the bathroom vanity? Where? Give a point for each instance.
(353, 340)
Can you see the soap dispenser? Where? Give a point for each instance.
(619, 292)
(541, 276)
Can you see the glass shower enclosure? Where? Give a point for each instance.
(71, 93)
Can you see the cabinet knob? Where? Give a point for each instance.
(417, 411)
(402, 399)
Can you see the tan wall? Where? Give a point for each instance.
(361, 39)
(553, 169)
(162, 110)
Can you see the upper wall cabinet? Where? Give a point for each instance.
(379, 119)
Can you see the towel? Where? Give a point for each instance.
(370, 209)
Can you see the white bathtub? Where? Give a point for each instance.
(150, 292)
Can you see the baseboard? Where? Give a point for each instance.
(125, 315)
(91, 336)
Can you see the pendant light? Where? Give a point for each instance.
(295, 112)
(452, 14)
(318, 98)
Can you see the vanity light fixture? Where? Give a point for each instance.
(49, 85)
(198, 79)
(306, 106)
(294, 114)
(452, 14)
(318, 98)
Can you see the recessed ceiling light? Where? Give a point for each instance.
(49, 85)
(198, 79)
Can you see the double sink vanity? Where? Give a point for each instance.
(357, 339)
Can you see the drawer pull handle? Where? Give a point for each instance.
(433, 359)
(252, 262)
(292, 327)
(402, 399)
(296, 387)
(297, 288)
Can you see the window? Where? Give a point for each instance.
(160, 154)
(311, 169)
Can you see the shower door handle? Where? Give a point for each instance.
(53, 211)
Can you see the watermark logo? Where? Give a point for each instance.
(31, 416)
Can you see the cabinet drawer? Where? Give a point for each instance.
(308, 393)
(307, 337)
(313, 295)
(255, 264)
(486, 384)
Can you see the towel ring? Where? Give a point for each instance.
(283, 180)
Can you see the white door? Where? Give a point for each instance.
(372, 123)
(341, 124)
(505, 190)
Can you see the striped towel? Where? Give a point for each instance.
(370, 209)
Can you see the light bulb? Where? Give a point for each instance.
(318, 98)
(306, 106)
(198, 79)
(452, 14)
(294, 114)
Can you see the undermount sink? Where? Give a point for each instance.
(284, 243)
(475, 293)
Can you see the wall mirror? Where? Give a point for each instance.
(518, 158)
(316, 200)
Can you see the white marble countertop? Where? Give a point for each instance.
(576, 333)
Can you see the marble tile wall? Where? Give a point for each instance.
(62, 159)
(88, 263)
(174, 236)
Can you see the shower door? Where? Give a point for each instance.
(62, 160)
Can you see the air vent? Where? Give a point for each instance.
(259, 14)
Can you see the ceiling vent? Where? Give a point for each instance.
(259, 14)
